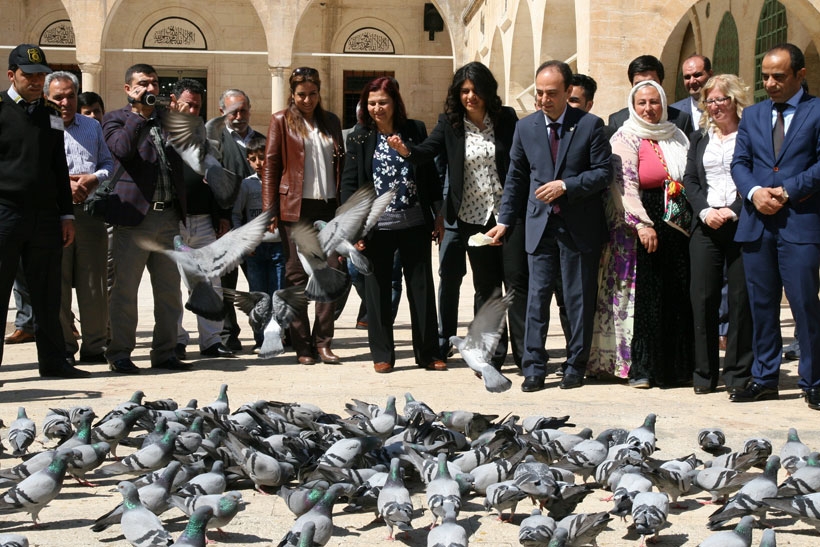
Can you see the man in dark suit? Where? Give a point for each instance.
(648, 67)
(147, 204)
(776, 168)
(36, 215)
(559, 167)
(696, 70)
(236, 134)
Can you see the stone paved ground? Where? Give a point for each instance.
(680, 413)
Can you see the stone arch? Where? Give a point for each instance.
(497, 65)
(558, 32)
(522, 59)
(725, 58)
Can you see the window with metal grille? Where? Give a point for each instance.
(725, 57)
(772, 29)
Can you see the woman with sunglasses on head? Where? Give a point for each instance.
(712, 248)
(300, 181)
(405, 226)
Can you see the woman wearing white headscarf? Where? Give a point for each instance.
(643, 327)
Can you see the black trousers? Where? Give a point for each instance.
(414, 246)
(452, 267)
(33, 238)
(709, 251)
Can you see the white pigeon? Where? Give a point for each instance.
(198, 144)
(271, 315)
(483, 335)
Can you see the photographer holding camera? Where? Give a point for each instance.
(147, 203)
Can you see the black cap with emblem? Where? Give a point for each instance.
(29, 58)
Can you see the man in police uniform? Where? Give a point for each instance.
(36, 218)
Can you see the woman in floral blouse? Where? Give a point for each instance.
(643, 323)
(406, 225)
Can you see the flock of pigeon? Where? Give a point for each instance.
(185, 458)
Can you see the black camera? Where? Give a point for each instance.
(149, 99)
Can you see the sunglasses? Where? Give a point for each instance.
(304, 71)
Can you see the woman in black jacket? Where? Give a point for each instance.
(474, 136)
(405, 226)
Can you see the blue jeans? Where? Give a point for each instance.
(265, 270)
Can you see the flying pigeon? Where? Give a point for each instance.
(270, 315)
(483, 335)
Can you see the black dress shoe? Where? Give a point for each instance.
(755, 392)
(233, 343)
(94, 358)
(217, 350)
(180, 352)
(172, 363)
(532, 383)
(813, 398)
(703, 390)
(124, 366)
(571, 380)
(66, 371)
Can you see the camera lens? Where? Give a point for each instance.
(149, 99)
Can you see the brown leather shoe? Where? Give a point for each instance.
(328, 357)
(19, 337)
(382, 368)
(306, 360)
(438, 364)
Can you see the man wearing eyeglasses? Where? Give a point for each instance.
(696, 69)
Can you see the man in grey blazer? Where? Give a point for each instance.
(559, 168)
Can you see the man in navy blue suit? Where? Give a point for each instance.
(776, 168)
(559, 167)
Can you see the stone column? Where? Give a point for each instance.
(91, 76)
(279, 98)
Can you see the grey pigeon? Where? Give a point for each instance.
(749, 499)
(154, 496)
(321, 515)
(532, 423)
(769, 539)
(394, 503)
(583, 528)
(711, 439)
(22, 432)
(262, 469)
(505, 495)
(212, 482)
(13, 540)
(306, 535)
(794, 453)
(559, 538)
(116, 428)
(141, 527)
(449, 533)
(87, 458)
(412, 408)
(57, 426)
(198, 144)
(536, 530)
(270, 315)
(623, 496)
(26, 468)
(34, 492)
(194, 533)
(381, 426)
(146, 459)
(805, 480)
(198, 267)
(352, 221)
(741, 536)
(649, 513)
(325, 283)
(123, 407)
(225, 506)
(718, 481)
(643, 437)
(346, 452)
(483, 335)
(805, 507)
(584, 457)
(442, 489)
(220, 407)
(301, 499)
(559, 447)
